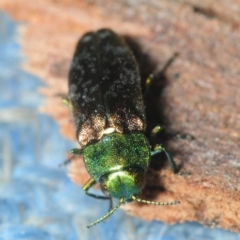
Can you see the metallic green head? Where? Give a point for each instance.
(123, 184)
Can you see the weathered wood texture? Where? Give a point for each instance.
(200, 97)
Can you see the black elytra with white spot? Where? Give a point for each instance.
(104, 87)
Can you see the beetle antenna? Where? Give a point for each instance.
(137, 199)
(108, 214)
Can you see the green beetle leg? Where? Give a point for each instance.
(150, 79)
(90, 183)
(156, 130)
(76, 151)
(66, 102)
(158, 149)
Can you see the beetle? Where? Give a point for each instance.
(107, 103)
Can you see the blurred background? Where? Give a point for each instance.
(37, 199)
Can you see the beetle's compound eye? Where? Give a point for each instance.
(104, 189)
(123, 184)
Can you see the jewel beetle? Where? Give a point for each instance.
(107, 103)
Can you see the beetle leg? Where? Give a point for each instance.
(67, 161)
(90, 183)
(150, 79)
(158, 149)
(76, 151)
(148, 85)
(66, 102)
(156, 130)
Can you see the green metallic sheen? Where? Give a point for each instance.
(123, 183)
(115, 152)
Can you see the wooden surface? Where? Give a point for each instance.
(199, 97)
